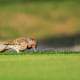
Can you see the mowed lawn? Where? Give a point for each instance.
(40, 67)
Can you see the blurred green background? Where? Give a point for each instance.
(39, 18)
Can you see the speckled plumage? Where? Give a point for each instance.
(18, 44)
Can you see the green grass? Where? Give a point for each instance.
(40, 67)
